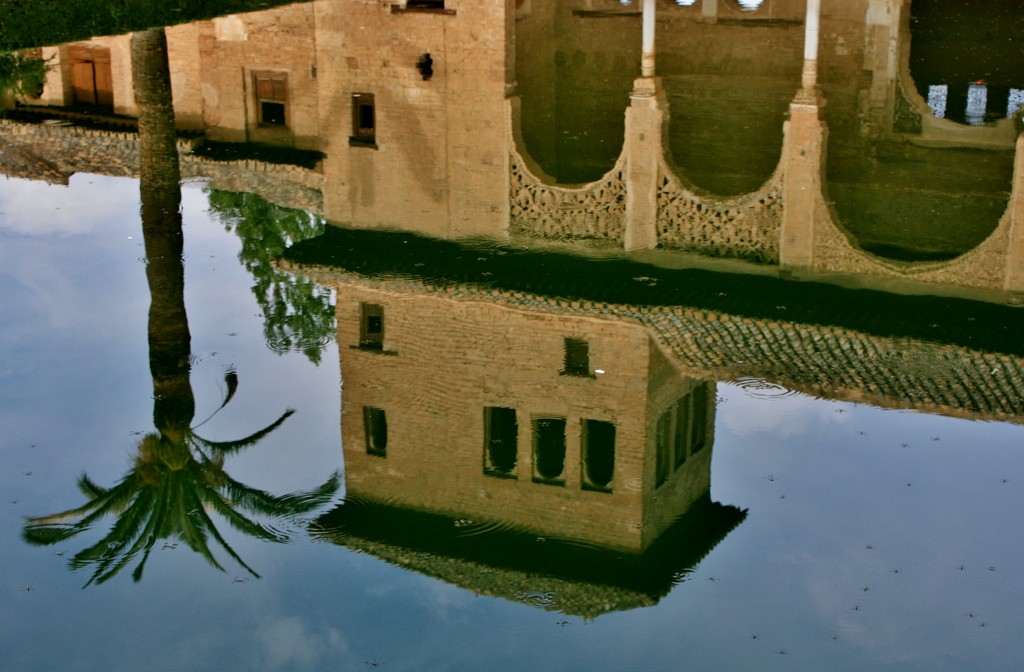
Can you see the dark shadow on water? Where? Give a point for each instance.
(619, 280)
(515, 564)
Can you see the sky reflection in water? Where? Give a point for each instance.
(874, 538)
(856, 538)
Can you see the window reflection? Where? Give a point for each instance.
(750, 5)
(1014, 102)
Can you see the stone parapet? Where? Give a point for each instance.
(53, 151)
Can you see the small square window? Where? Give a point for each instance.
(271, 89)
(371, 326)
(272, 113)
(577, 357)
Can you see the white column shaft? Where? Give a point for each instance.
(647, 56)
(812, 29)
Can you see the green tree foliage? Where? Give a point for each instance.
(298, 315)
(20, 75)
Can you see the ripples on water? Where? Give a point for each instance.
(759, 388)
(285, 344)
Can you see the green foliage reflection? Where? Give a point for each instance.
(177, 480)
(298, 315)
(20, 75)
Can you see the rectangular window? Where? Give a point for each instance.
(682, 433)
(577, 357)
(501, 435)
(364, 120)
(371, 326)
(664, 448)
(375, 422)
(549, 450)
(598, 449)
(436, 6)
(699, 419)
(271, 98)
(691, 424)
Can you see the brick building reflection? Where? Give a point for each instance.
(506, 449)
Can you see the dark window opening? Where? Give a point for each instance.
(436, 6)
(371, 326)
(682, 433)
(365, 124)
(501, 432)
(664, 448)
(577, 357)
(271, 97)
(549, 450)
(272, 113)
(375, 423)
(699, 415)
(364, 120)
(598, 455)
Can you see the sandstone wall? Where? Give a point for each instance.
(444, 360)
(438, 159)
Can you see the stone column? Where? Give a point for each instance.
(882, 23)
(643, 145)
(803, 182)
(644, 119)
(803, 155)
(511, 86)
(812, 23)
(647, 55)
(1015, 252)
(709, 10)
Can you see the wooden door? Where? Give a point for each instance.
(83, 83)
(92, 79)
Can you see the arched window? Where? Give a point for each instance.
(501, 433)
(750, 5)
(549, 450)
(598, 451)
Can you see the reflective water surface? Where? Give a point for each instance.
(362, 359)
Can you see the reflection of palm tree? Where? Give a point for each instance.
(178, 476)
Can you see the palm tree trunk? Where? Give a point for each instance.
(160, 191)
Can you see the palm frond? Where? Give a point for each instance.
(259, 501)
(90, 488)
(47, 535)
(112, 498)
(195, 523)
(231, 383)
(208, 523)
(225, 447)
